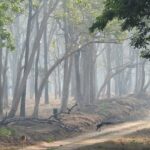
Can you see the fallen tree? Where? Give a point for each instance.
(52, 119)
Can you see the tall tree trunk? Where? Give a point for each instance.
(23, 99)
(93, 85)
(36, 63)
(88, 75)
(55, 84)
(67, 69)
(137, 73)
(46, 65)
(5, 82)
(78, 97)
(36, 81)
(46, 55)
(120, 84)
(66, 83)
(59, 76)
(31, 84)
(85, 76)
(108, 56)
(73, 81)
(38, 91)
(6, 102)
(141, 84)
(59, 81)
(17, 95)
(1, 91)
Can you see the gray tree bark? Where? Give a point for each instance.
(46, 55)
(78, 96)
(16, 98)
(23, 98)
(67, 66)
(1, 91)
(108, 67)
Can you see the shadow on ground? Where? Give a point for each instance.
(110, 145)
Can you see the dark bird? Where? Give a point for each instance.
(23, 140)
(110, 121)
(99, 125)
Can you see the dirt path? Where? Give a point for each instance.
(107, 134)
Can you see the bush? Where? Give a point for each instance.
(6, 132)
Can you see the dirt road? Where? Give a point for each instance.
(107, 134)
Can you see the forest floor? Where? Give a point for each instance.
(126, 136)
(132, 133)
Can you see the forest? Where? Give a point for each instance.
(74, 74)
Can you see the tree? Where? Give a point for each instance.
(134, 14)
(27, 43)
(8, 9)
(20, 87)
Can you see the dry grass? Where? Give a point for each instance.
(126, 108)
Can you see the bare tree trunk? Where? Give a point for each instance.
(120, 84)
(46, 65)
(31, 83)
(67, 68)
(141, 77)
(137, 74)
(93, 76)
(59, 76)
(36, 74)
(38, 91)
(146, 86)
(79, 97)
(4, 84)
(85, 58)
(14, 56)
(55, 84)
(65, 92)
(108, 56)
(36, 62)
(3, 70)
(6, 102)
(73, 81)
(45, 55)
(23, 99)
(88, 75)
(59, 82)
(1, 91)
(36, 44)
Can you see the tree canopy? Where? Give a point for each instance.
(7, 9)
(134, 15)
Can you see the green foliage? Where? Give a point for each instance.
(53, 44)
(85, 11)
(81, 13)
(78, 1)
(6, 132)
(134, 14)
(8, 9)
(50, 139)
(35, 4)
(113, 28)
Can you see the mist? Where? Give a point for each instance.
(69, 81)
